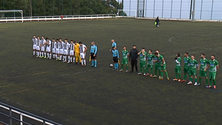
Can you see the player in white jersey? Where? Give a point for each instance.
(43, 43)
(38, 47)
(57, 49)
(60, 48)
(83, 50)
(53, 48)
(71, 57)
(48, 48)
(65, 50)
(34, 41)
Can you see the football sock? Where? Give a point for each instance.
(84, 62)
(122, 66)
(33, 53)
(207, 81)
(200, 80)
(191, 79)
(127, 67)
(95, 63)
(185, 76)
(166, 74)
(176, 75)
(214, 82)
(195, 79)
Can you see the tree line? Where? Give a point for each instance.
(60, 7)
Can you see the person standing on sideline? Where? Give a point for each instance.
(77, 52)
(133, 55)
(93, 53)
(157, 21)
(115, 53)
(83, 49)
(34, 41)
(113, 44)
(213, 68)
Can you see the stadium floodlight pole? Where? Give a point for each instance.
(30, 8)
(194, 1)
(191, 3)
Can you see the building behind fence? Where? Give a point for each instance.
(176, 9)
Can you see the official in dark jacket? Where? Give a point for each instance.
(133, 55)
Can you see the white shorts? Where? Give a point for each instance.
(43, 48)
(71, 52)
(57, 51)
(60, 51)
(34, 47)
(53, 50)
(37, 48)
(65, 52)
(48, 49)
(82, 55)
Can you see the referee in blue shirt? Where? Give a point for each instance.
(93, 53)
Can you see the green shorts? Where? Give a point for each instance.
(177, 69)
(124, 61)
(203, 73)
(162, 67)
(212, 75)
(186, 70)
(149, 66)
(142, 64)
(156, 66)
(193, 72)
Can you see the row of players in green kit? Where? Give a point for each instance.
(191, 66)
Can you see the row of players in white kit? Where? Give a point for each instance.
(45, 48)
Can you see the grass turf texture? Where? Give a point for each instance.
(70, 94)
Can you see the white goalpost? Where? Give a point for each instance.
(128, 13)
(10, 18)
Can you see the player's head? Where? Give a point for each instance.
(75, 42)
(57, 40)
(212, 56)
(92, 43)
(38, 37)
(150, 51)
(60, 39)
(192, 57)
(34, 36)
(124, 48)
(156, 54)
(143, 50)
(134, 46)
(43, 37)
(177, 55)
(80, 43)
(47, 39)
(202, 55)
(157, 51)
(186, 54)
(53, 40)
(66, 40)
(112, 40)
(71, 41)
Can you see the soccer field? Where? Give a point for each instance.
(70, 94)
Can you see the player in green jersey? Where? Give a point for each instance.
(193, 70)
(161, 66)
(177, 68)
(202, 69)
(186, 66)
(213, 66)
(156, 64)
(150, 57)
(125, 55)
(142, 54)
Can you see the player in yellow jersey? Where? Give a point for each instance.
(77, 52)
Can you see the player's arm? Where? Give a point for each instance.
(85, 49)
(117, 54)
(217, 66)
(163, 61)
(95, 51)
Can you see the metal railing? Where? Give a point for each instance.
(12, 115)
(54, 18)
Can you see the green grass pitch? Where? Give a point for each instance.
(70, 94)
